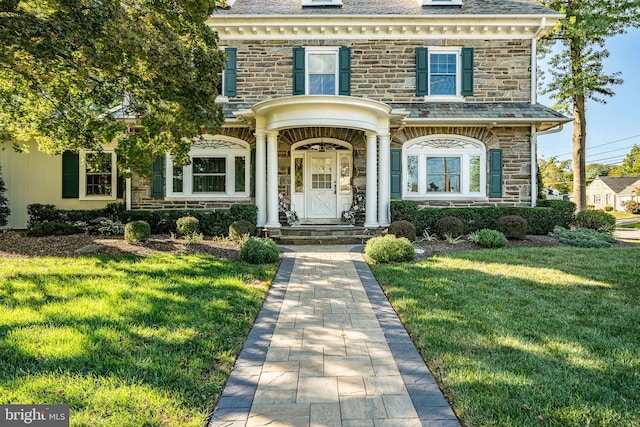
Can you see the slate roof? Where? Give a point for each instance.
(485, 110)
(505, 111)
(619, 183)
(387, 7)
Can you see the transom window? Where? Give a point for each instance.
(219, 168)
(444, 166)
(322, 71)
(98, 174)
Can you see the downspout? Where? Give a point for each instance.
(127, 194)
(534, 158)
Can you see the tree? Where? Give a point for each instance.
(630, 166)
(576, 69)
(64, 65)
(555, 174)
(4, 203)
(594, 170)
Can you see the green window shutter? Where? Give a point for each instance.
(467, 72)
(70, 175)
(396, 173)
(344, 78)
(422, 71)
(231, 72)
(495, 173)
(157, 181)
(119, 182)
(298, 71)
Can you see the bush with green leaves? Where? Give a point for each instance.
(110, 227)
(488, 238)
(608, 208)
(256, 250)
(584, 237)
(450, 226)
(632, 206)
(239, 229)
(403, 229)
(4, 203)
(51, 228)
(137, 231)
(187, 225)
(512, 226)
(389, 248)
(596, 220)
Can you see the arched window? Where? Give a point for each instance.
(444, 166)
(219, 169)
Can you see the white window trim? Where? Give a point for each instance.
(230, 182)
(440, 2)
(222, 97)
(322, 50)
(446, 98)
(83, 176)
(464, 154)
(321, 2)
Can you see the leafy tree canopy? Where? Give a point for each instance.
(595, 170)
(65, 65)
(630, 166)
(555, 174)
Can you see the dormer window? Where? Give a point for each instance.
(306, 3)
(440, 2)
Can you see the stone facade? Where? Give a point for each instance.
(386, 70)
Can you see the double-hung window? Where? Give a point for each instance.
(219, 168)
(98, 175)
(444, 73)
(444, 166)
(322, 71)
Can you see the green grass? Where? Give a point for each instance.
(623, 215)
(516, 336)
(632, 225)
(125, 341)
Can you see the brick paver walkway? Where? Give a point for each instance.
(327, 349)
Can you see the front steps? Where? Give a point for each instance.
(309, 234)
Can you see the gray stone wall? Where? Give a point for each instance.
(385, 70)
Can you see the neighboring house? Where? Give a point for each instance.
(425, 100)
(612, 191)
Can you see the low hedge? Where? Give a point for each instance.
(212, 223)
(540, 220)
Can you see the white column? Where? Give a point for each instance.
(371, 215)
(261, 176)
(384, 179)
(272, 180)
(127, 193)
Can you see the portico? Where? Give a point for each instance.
(270, 118)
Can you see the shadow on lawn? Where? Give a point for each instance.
(174, 325)
(508, 348)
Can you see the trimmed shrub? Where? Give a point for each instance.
(596, 220)
(244, 212)
(490, 238)
(259, 251)
(137, 231)
(238, 229)
(4, 203)
(512, 226)
(450, 226)
(109, 227)
(403, 229)
(584, 238)
(51, 228)
(389, 248)
(406, 210)
(608, 208)
(187, 225)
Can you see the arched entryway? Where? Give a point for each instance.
(321, 179)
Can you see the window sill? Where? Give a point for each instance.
(444, 98)
(456, 197)
(222, 99)
(98, 198)
(206, 198)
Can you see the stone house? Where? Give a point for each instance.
(612, 191)
(331, 103)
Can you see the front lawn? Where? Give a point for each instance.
(623, 214)
(125, 341)
(632, 225)
(529, 336)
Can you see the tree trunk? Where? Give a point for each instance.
(579, 147)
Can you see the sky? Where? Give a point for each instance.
(612, 128)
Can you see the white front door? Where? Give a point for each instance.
(321, 185)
